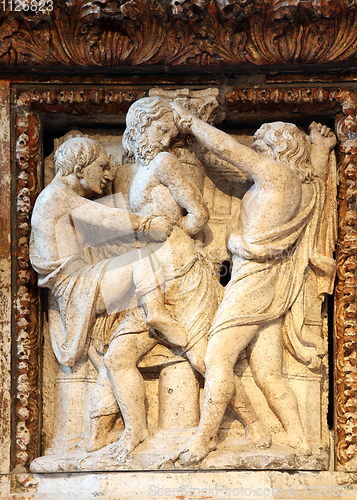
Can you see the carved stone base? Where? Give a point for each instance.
(159, 450)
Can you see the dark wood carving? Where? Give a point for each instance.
(27, 331)
(340, 103)
(177, 32)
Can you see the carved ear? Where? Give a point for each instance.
(78, 171)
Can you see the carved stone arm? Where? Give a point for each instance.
(170, 173)
(115, 219)
(227, 148)
(322, 142)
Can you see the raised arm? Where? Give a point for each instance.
(170, 173)
(221, 144)
(322, 142)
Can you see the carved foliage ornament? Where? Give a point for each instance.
(177, 32)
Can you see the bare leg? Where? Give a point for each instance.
(140, 267)
(196, 355)
(117, 287)
(102, 396)
(128, 387)
(222, 352)
(266, 358)
(100, 428)
(149, 278)
(95, 358)
(256, 431)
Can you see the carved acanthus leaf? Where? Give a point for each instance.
(181, 32)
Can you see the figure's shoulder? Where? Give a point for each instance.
(278, 175)
(165, 163)
(54, 200)
(165, 158)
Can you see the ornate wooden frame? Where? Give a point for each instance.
(28, 107)
(204, 33)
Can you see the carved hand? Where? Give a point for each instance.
(322, 136)
(182, 116)
(160, 228)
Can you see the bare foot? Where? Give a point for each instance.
(258, 433)
(195, 450)
(127, 443)
(100, 428)
(300, 444)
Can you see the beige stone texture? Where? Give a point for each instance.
(220, 485)
(85, 405)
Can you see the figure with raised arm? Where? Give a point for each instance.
(275, 242)
(161, 187)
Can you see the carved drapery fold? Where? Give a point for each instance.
(178, 32)
(345, 348)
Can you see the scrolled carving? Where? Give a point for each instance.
(346, 340)
(181, 32)
(23, 203)
(65, 101)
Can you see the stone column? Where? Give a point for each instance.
(73, 389)
(178, 397)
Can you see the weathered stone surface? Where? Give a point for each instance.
(166, 175)
(223, 485)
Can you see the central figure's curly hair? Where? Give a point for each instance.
(140, 116)
(289, 146)
(79, 151)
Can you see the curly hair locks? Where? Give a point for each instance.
(79, 151)
(139, 117)
(289, 146)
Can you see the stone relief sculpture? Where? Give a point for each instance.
(275, 243)
(160, 188)
(85, 285)
(58, 251)
(127, 270)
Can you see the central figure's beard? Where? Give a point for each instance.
(148, 152)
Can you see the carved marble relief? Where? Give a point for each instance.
(76, 384)
(141, 327)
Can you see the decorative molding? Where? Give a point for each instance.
(27, 328)
(293, 100)
(345, 295)
(339, 102)
(81, 102)
(177, 32)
